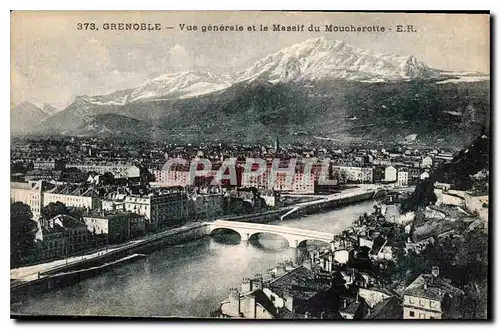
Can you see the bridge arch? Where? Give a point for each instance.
(216, 230)
(303, 241)
(255, 234)
(246, 231)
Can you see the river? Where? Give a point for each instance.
(184, 280)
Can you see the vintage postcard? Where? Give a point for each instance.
(250, 165)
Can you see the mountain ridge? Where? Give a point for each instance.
(308, 86)
(353, 63)
(25, 116)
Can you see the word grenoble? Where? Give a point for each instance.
(132, 26)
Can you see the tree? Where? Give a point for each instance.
(469, 161)
(107, 179)
(475, 302)
(53, 209)
(22, 232)
(422, 196)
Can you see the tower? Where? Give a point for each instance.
(234, 303)
(277, 144)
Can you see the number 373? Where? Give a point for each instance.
(86, 26)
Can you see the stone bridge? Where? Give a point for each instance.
(294, 236)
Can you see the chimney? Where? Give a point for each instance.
(369, 311)
(246, 285)
(425, 284)
(257, 282)
(435, 271)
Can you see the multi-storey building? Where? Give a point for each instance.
(159, 208)
(207, 205)
(86, 198)
(426, 162)
(41, 174)
(299, 181)
(61, 236)
(281, 182)
(117, 170)
(402, 178)
(137, 225)
(303, 183)
(250, 179)
(171, 177)
(30, 194)
(391, 174)
(414, 174)
(48, 164)
(353, 174)
(114, 200)
(114, 226)
(431, 297)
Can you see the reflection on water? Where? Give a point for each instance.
(185, 280)
(268, 241)
(226, 236)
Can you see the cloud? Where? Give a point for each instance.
(180, 59)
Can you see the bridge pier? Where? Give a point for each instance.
(245, 237)
(293, 243)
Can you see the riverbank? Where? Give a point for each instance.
(351, 196)
(43, 280)
(32, 275)
(65, 279)
(183, 279)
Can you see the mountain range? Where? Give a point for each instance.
(25, 116)
(322, 89)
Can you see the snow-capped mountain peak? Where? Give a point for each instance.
(181, 85)
(312, 59)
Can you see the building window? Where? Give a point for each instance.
(412, 314)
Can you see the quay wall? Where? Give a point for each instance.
(65, 279)
(73, 273)
(259, 218)
(149, 244)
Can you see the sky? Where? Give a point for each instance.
(52, 61)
